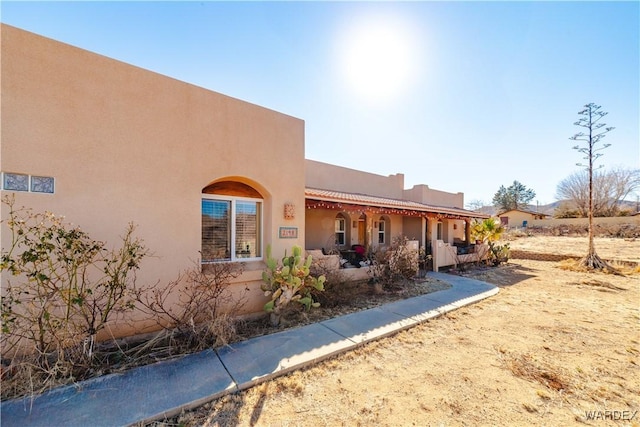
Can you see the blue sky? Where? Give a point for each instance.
(461, 96)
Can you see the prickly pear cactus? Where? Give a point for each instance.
(289, 281)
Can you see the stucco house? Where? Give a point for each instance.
(519, 218)
(105, 143)
(346, 207)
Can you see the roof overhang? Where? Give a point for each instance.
(363, 203)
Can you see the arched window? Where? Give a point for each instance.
(341, 230)
(382, 231)
(231, 222)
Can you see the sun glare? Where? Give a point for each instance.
(378, 59)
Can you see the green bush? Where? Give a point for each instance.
(499, 254)
(489, 231)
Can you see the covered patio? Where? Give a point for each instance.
(336, 221)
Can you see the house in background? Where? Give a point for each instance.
(518, 218)
(106, 143)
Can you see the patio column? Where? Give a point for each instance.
(467, 231)
(369, 227)
(432, 224)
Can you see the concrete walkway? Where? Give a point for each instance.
(164, 389)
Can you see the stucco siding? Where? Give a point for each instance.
(423, 194)
(331, 177)
(517, 218)
(412, 229)
(603, 221)
(320, 231)
(128, 145)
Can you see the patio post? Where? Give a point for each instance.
(467, 231)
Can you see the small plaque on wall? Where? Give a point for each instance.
(288, 232)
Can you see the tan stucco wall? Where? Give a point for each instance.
(320, 232)
(458, 230)
(412, 229)
(395, 228)
(516, 218)
(617, 220)
(331, 177)
(423, 194)
(126, 144)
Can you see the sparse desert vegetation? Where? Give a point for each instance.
(554, 347)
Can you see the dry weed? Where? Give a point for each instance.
(573, 264)
(24, 378)
(601, 284)
(530, 367)
(292, 383)
(223, 329)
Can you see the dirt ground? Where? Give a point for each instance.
(553, 348)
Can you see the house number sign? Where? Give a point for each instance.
(288, 232)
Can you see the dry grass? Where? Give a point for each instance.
(351, 297)
(552, 345)
(21, 378)
(532, 367)
(610, 249)
(626, 269)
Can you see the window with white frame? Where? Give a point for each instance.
(340, 230)
(381, 230)
(439, 231)
(231, 228)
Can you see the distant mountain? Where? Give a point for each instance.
(545, 209)
(550, 208)
(487, 210)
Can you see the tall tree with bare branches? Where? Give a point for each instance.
(610, 189)
(593, 134)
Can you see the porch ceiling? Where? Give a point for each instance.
(363, 203)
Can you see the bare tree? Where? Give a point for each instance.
(475, 205)
(590, 121)
(609, 189)
(575, 188)
(623, 183)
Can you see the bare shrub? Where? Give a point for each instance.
(624, 231)
(335, 286)
(514, 234)
(64, 288)
(395, 264)
(197, 310)
(379, 268)
(482, 254)
(403, 260)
